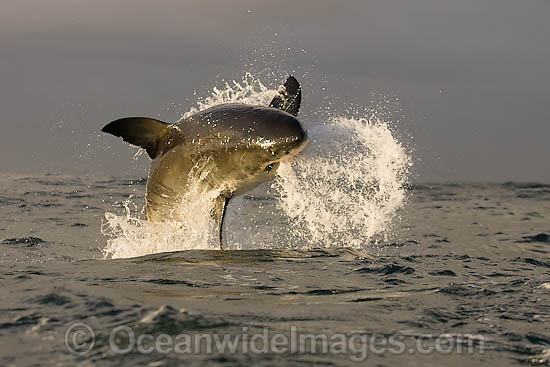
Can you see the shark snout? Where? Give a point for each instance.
(298, 140)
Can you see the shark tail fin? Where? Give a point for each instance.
(289, 97)
(143, 132)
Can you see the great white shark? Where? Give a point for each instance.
(227, 149)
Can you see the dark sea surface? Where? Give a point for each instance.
(466, 266)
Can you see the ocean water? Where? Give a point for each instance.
(339, 261)
(464, 259)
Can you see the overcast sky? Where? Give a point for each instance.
(472, 76)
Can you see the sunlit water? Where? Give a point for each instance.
(339, 243)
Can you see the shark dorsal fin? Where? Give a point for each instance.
(289, 97)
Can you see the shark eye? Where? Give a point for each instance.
(268, 168)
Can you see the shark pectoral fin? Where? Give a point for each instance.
(141, 131)
(218, 213)
(289, 97)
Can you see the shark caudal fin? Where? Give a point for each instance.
(289, 97)
(141, 131)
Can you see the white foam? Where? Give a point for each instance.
(131, 236)
(350, 185)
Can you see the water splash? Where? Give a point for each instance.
(350, 189)
(131, 236)
(249, 91)
(345, 190)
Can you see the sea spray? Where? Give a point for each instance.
(131, 236)
(345, 189)
(349, 187)
(248, 91)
